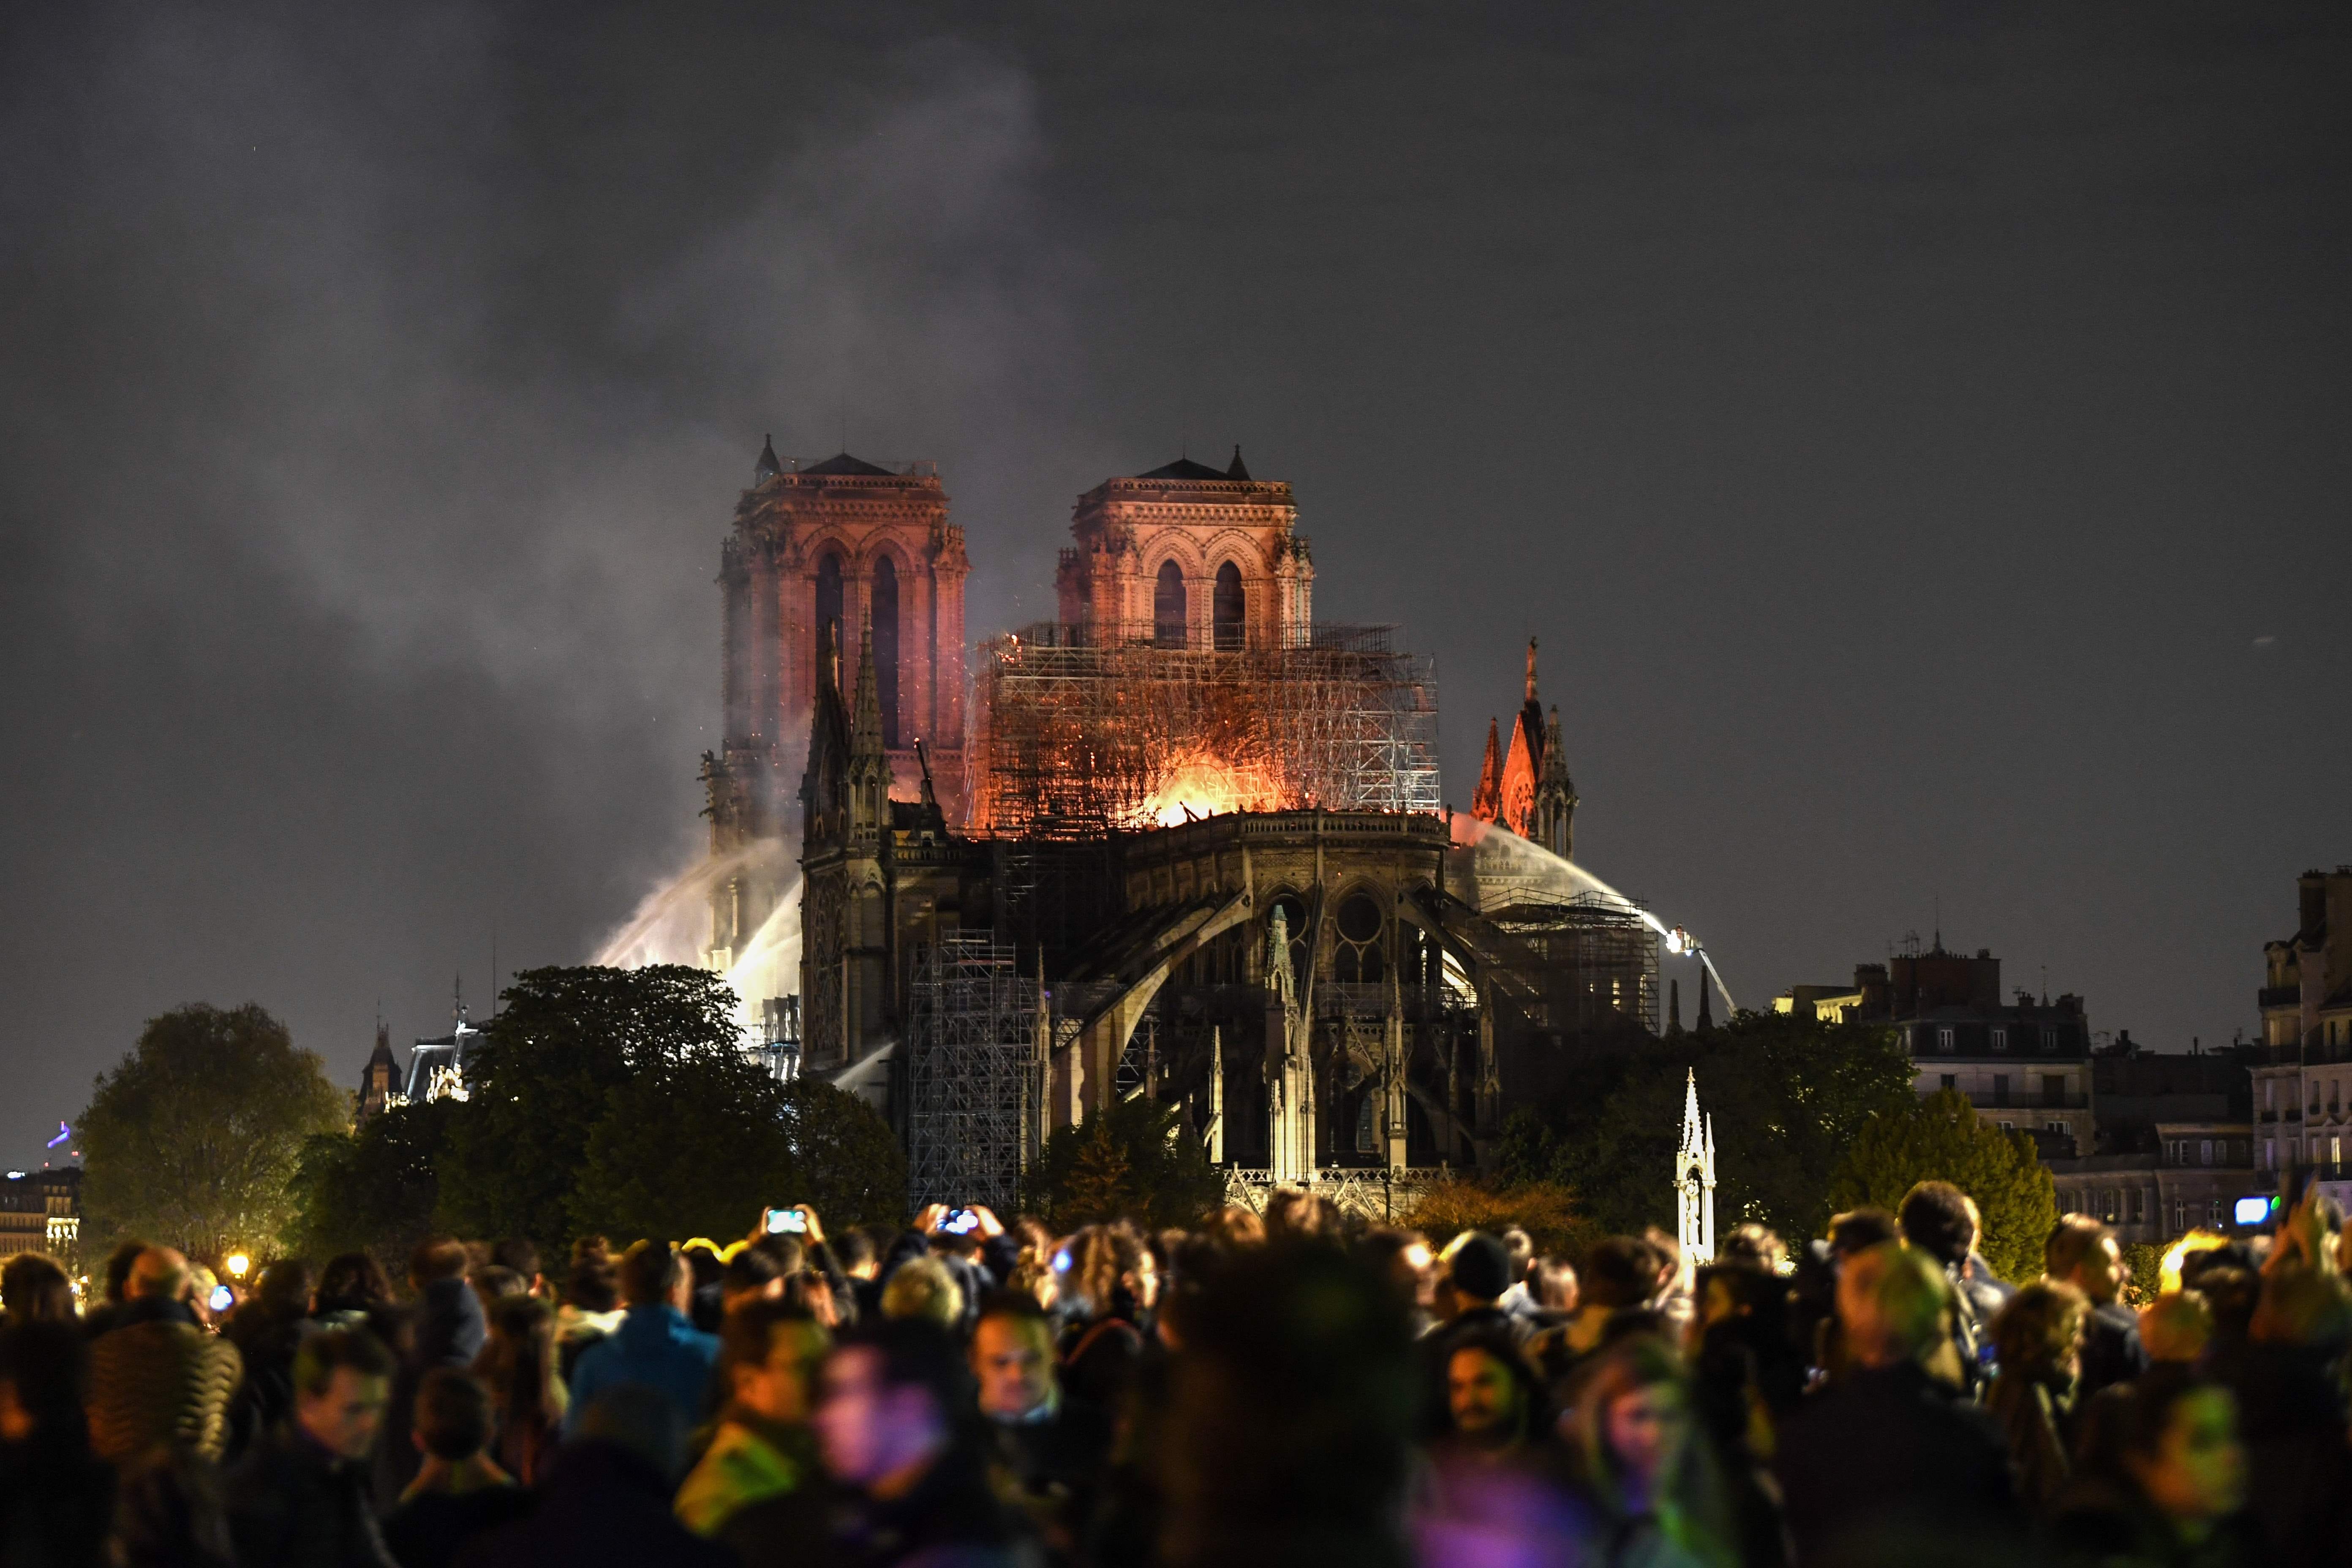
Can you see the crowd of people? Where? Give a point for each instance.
(1298, 1387)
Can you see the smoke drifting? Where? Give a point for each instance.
(376, 416)
(1897, 431)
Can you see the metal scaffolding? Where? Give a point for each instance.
(1080, 729)
(975, 1076)
(1595, 956)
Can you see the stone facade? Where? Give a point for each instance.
(1189, 557)
(2303, 1072)
(839, 549)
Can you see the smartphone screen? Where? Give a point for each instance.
(785, 1222)
(223, 1298)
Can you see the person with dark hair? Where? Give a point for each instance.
(753, 1274)
(445, 1329)
(1109, 1293)
(1047, 1448)
(1496, 1408)
(895, 1432)
(2173, 1490)
(854, 1251)
(2039, 1341)
(265, 1329)
(157, 1378)
(706, 1300)
(33, 1290)
(527, 1398)
(1653, 1488)
(1883, 1460)
(1473, 1271)
(352, 1292)
(2082, 1252)
(1938, 1218)
(460, 1491)
(522, 1254)
(606, 1502)
(592, 1302)
(299, 1496)
(1288, 1415)
(56, 1499)
(759, 1486)
(1612, 1301)
(118, 1263)
(656, 1345)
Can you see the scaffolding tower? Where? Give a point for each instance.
(1081, 729)
(1597, 956)
(975, 1074)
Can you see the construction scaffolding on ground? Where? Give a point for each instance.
(1084, 729)
(1595, 956)
(975, 1074)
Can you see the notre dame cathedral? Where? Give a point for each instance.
(1186, 842)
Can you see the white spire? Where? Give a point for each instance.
(1695, 1179)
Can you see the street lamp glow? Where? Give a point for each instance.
(238, 1263)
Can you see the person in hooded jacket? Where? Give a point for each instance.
(445, 1329)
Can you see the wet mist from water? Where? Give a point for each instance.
(671, 924)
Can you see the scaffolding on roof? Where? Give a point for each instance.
(1084, 729)
(1593, 956)
(975, 1076)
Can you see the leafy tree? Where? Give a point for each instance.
(192, 1139)
(850, 1167)
(698, 1146)
(1787, 1094)
(1547, 1211)
(564, 1042)
(372, 1190)
(1943, 1139)
(2145, 1260)
(1134, 1160)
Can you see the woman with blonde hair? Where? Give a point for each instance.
(1656, 1495)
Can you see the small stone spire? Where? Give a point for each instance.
(865, 729)
(1486, 800)
(1531, 670)
(1239, 470)
(768, 467)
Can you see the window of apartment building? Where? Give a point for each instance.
(2055, 1127)
(2270, 1153)
(1951, 1081)
(2000, 1039)
(2110, 1205)
(2138, 1198)
(2000, 1088)
(2270, 1094)
(2205, 1151)
(1943, 1039)
(2049, 1039)
(2180, 1214)
(2053, 1088)
(2213, 1211)
(2009, 1127)
(2335, 1151)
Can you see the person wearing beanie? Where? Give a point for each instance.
(1473, 1271)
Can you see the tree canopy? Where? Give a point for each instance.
(375, 1190)
(1943, 1139)
(563, 1041)
(700, 1146)
(1133, 1161)
(618, 1101)
(1787, 1093)
(193, 1137)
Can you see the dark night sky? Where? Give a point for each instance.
(1920, 445)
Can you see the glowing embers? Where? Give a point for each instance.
(1197, 784)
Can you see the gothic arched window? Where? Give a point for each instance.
(886, 646)
(1168, 606)
(1358, 960)
(828, 603)
(1228, 606)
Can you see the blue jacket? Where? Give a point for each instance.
(655, 1346)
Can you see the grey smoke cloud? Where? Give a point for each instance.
(1898, 433)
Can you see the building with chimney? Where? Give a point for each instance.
(2302, 1074)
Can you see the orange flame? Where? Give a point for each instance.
(1203, 785)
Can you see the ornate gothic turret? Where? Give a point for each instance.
(1289, 1072)
(1694, 1180)
(1554, 824)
